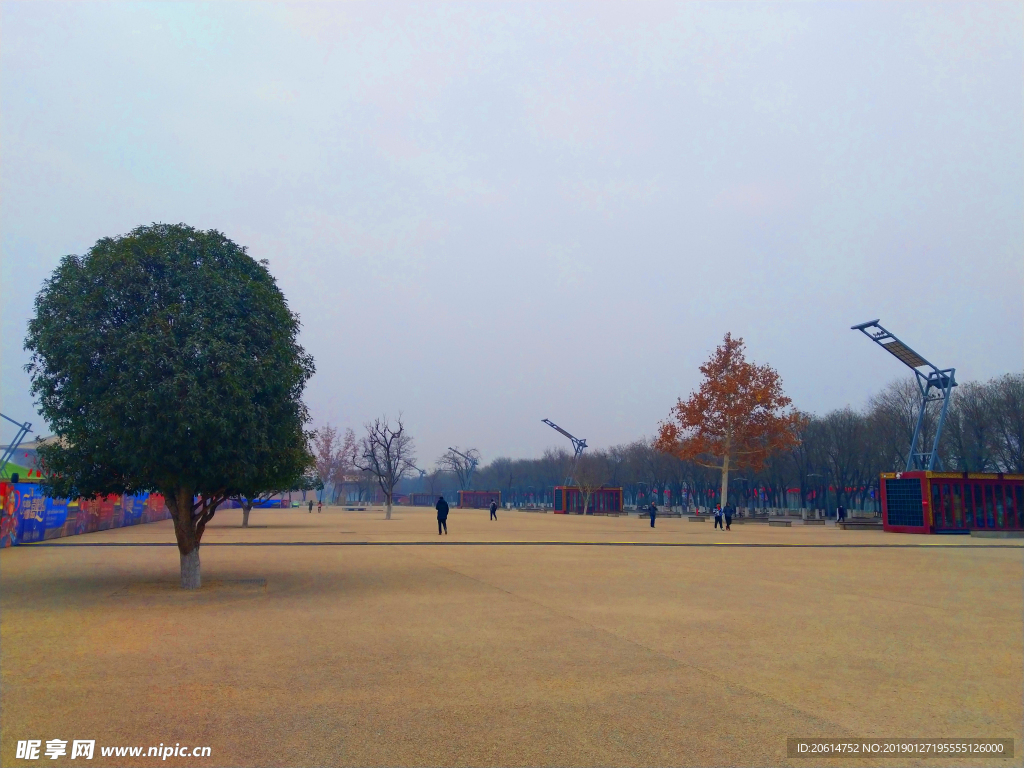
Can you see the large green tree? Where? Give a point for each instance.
(166, 360)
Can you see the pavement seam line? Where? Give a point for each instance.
(601, 630)
(384, 543)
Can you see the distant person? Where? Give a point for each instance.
(654, 513)
(311, 506)
(841, 513)
(729, 512)
(319, 506)
(442, 515)
(718, 516)
(494, 510)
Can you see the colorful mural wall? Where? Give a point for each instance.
(28, 516)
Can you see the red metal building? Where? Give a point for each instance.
(478, 499)
(952, 502)
(569, 500)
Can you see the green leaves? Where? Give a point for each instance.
(166, 358)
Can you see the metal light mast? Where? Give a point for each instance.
(936, 385)
(577, 446)
(9, 451)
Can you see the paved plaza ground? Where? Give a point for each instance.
(345, 639)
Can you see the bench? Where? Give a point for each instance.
(750, 520)
(814, 522)
(861, 525)
(697, 518)
(781, 523)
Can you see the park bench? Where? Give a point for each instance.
(698, 518)
(861, 525)
(814, 522)
(781, 523)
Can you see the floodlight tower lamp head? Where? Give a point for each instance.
(888, 341)
(936, 385)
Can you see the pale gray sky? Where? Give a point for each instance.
(487, 214)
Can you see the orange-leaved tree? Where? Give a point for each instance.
(737, 419)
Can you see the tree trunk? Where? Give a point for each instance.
(725, 480)
(246, 509)
(387, 507)
(179, 502)
(190, 570)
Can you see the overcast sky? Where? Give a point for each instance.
(488, 214)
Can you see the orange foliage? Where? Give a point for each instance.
(737, 417)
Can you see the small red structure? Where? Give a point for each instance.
(569, 501)
(952, 502)
(478, 499)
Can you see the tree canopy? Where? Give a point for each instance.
(166, 360)
(737, 418)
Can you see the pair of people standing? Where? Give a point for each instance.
(725, 514)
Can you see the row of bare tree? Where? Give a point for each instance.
(837, 459)
(382, 459)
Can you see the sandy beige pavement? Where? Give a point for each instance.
(479, 650)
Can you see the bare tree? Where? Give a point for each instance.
(343, 467)
(247, 503)
(386, 453)
(969, 435)
(591, 473)
(460, 463)
(1008, 406)
(893, 412)
(325, 452)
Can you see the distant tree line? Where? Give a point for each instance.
(838, 459)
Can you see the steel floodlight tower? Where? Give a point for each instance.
(936, 385)
(577, 447)
(9, 451)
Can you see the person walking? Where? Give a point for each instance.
(442, 515)
(311, 506)
(654, 513)
(494, 510)
(319, 506)
(729, 512)
(841, 513)
(718, 516)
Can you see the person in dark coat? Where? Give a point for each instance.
(841, 513)
(442, 515)
(728, 512)
(311, 506)
(654, 513)
(494, 510)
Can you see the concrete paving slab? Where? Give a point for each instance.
(404, 652)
